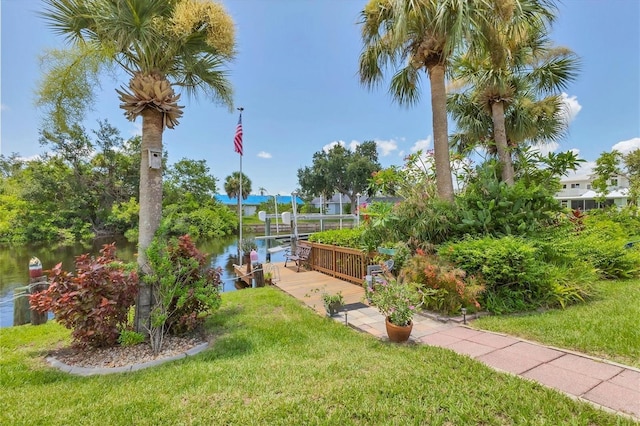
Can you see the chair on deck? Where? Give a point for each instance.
(301, 255)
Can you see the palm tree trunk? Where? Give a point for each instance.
(150, 205)
(444, 181)
(500, 136)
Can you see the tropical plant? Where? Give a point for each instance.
(160, 45)
(232, 185)
(94, 302)
(421, 35)
(441, 286)
(511, 78)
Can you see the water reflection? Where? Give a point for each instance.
(14, 263)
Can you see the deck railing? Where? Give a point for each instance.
(340, 262)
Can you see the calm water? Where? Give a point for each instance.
(14, 263)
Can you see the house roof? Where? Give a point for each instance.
(591, 194)
(254, 200)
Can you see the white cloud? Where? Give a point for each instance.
(422, 145)
(263, 154)
(328, 146)
(583, 172)
(545, 148)
(626, 147)
(3, 107)
(386, 147)
(571, 108)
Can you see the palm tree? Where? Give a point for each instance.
(417, 35)
(232, 186)
(512, 77)
(161, 45)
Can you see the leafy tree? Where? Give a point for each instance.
(160, 45)
(189, 178)
(340, 170)
(614, 164)
(116, 165)
(510, 86)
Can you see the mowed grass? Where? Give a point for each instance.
(606, 327)
(275, 362)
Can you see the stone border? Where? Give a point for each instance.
(92, 371)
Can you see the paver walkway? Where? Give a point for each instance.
(609, 385)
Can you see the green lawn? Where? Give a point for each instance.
(277, 362)
(606, 327)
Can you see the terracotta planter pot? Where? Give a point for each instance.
(398, 333)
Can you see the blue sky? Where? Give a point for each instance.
(296, 76)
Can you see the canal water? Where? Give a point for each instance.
(14, 263)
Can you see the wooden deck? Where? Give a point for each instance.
(307, 286)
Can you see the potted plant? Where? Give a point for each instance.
(332, 303)
(398, 303)
(248, 244)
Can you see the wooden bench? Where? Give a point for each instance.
(300, 256)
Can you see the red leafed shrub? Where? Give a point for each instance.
(94, 302)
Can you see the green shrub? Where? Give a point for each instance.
(602, 243)
(94, 302)
(509, 268)
(130, 338)
(339, 237)
(489, 206)
(185, 287)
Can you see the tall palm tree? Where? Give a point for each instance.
(232, 186)
(514, 64)
(415, 35)
(161, 45)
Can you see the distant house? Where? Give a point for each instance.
(251, 203)
(577, 191)
(332, 205)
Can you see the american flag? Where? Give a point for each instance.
(237, 139)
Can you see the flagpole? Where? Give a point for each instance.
(240, 204)
(239, 150)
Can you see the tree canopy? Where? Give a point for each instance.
(340, 170)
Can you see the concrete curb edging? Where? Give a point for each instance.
(93, 371)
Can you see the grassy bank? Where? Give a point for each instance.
(276, 362)
(606, 327)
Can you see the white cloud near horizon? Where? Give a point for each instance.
(627, 146)
(328, 146)
(545, 148)
(263, 154)
(422, 145)
(386, 147)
